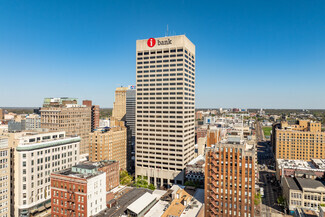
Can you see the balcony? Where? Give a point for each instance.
(215, 170)
(215, 177)
(213, 196)
(214, 190)
(214, 204)
(214, 162)
(214, 184)
(214, 211)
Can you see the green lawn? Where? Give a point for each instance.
(267, 131)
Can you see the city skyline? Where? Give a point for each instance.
(250, 54)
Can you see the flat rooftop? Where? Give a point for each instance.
(70, 173)
(301, 164)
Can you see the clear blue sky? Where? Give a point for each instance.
(268, 54)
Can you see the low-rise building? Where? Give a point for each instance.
(78, 191)
(303, 193)
(110, 167)
(299, 168)
(194, 170)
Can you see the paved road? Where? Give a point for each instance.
(267, 178)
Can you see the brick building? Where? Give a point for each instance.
(94, 114)
(230, 179)
(79, 191)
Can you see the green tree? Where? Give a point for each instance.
(281, 201)
(151, 187)
(141, 182)
(125, 178)
(257, 199)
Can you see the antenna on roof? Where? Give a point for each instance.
(167, 30)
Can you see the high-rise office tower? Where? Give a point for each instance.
(130, 123)
(64, 114)
(165, 113)
(130, 108)
(230, 178)
(119, 106)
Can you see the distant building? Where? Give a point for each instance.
(78, 191)
(94, 114)
(1, 114)
(119, 106)
(302, 141)
(109, 144)
(201, 132)
(303, 193)
(104, 123)
(130, 108)
(35, 156)
(16, 126)
(64, 114)
(230, 178)
(33, 122)
(213, 137)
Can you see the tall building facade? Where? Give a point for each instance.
(119, 106)
(301, 141)
(33, 122)
(64, 114)
(230, 179)
(165, 112)
(130, 108)
(109, 144)
(35, 157)
(4, 177)
(94, 114)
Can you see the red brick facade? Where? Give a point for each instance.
(68, 196)
(112, 174)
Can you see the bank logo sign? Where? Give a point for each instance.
(152, 42)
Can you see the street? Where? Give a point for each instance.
(267, 180)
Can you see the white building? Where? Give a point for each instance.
(33, 121)
(36, 156)
(165, 108)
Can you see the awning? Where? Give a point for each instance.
(40, 209)
(33, 211)
(48, 205)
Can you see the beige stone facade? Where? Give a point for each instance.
(109, 144)
(4, 177)
(74, 120)
(119, 107)
(165, 108)
(302, 141)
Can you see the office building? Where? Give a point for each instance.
(4, 177)
(33, 122)
(230, 178)
(64, 114)
(16, 126)
(119, 106)
(301, 141)
(35, 156)
(109, 144)
(78, 191)
(1, 114)
(303, 193)
(94, 114)
(130, 108)
(165, 113)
